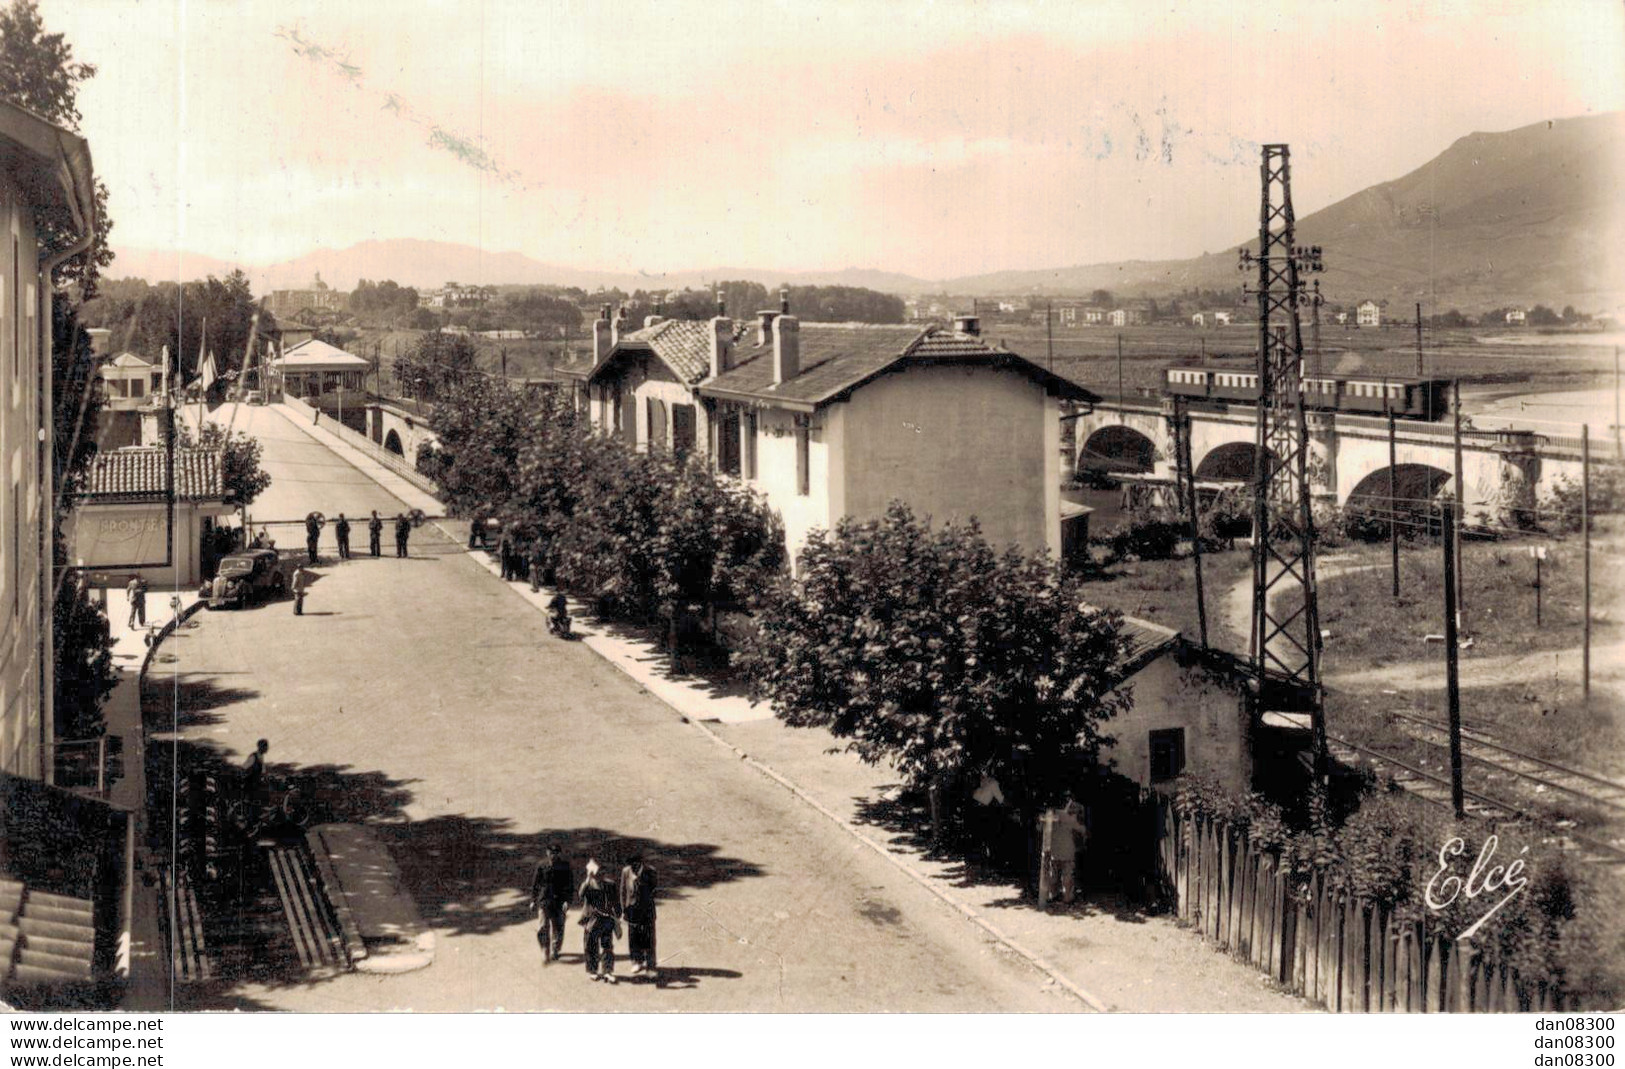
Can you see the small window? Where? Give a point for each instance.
(803, 458)
(1167, 754)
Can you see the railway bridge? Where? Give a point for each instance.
(1504, 470)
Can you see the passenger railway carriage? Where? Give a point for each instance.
(1408, 398)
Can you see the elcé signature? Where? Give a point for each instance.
(1483, 878)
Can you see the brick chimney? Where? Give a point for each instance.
(601, 341)
(786, 348)
(619, 326)
(658, 317)
(722, 343)
(764, 326)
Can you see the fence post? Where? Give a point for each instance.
(1226, 870)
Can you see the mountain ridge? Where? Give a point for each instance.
(1521, 216)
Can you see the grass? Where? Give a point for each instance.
(1369, 628)
(1164, 592)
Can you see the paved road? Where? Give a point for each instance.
(426, 697)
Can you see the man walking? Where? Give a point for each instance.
(375, 532)
(341, 531)
(137, 593)
(638, 907)
(403, 531)
(538, 564)
(505, 555)
(313, 534)
(550, 894)
(1060, 829)
(301, 580)
(601, 926)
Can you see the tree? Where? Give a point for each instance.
(241, 473)
(931, 651)
(1542, 316)
(38, 72)
(436, 364)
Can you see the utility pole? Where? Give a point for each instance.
(1121, 416)
(1619, 442)
(1460, 504)
(1452, 681)
(504, 365)
(1393, 497)
(1314, 337)
(1286, 614)
(1585, 537)
(1187, 484)
(1049, 332)
(1419, 372)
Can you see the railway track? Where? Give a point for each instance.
(1478, 745)
(1434, 788)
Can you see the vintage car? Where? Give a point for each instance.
(251, 575)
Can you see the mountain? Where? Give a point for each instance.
(1516, 218)
(428, 265)
(1521, 217)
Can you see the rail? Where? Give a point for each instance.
(356, 440)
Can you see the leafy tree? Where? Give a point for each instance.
(1542, 316)
(435, 365)
(84, 675)
(928, 649)
(240, 469)
(537, 311)
(38, 72)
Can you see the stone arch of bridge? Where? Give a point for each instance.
(392, 442)
(1231, 462)
(1416, 486)
(1117, 449)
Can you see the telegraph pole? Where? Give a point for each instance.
(1187, 484)
(1049, 332)
(1393, 496)
(1314, 303)
(1419, 372)
(1585, 535)
(1460, 504)
(1286, 615)
(1452, 679)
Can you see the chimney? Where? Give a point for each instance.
(722, 343)
(968, 324)
(764, 326)
(659, 313)
(601, 341)
(786, 348)
(722, 305)
(784, 300)
(619, 326)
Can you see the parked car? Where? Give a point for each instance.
(255, 397)
(248, 577)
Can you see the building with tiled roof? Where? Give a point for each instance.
(121, 523)
(839, 419)
(314, 367)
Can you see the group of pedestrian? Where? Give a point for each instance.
(341, 533)
(604, 908)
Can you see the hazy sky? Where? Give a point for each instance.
(937, 139)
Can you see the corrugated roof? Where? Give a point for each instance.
(133, 474)
(314, 353)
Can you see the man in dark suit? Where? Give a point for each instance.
(341, 531)
(403, 531)
(638, 909)
(375, 532)
(550, 894)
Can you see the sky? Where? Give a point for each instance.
(938, 139)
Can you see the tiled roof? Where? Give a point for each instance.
(838, 357)
(684, 345)
(1144, 640)
(139, 474)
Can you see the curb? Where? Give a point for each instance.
(969, 913)
(163, 632)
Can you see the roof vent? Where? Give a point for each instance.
(968, 324)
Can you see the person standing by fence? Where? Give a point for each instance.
(137, 593)
(1060, 829)
(375, 532)
(341, 531)
(403, 531)
(313, 534)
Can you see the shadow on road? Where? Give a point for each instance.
(188, 702)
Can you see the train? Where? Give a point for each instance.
(1406, 398)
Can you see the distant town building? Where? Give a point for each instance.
(1369, 314)
(455, 295)
(314, 367)
(319, 296)
(128, 385)
(1516, 318)
(839, 419)
(1129, 316)
(100, 339)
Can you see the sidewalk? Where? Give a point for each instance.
(147, 988)
(1106, 956)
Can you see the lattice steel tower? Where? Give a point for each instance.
(1286, 617)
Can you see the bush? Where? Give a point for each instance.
(1150, 534)
(1560, 509)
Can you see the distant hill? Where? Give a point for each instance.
(1516, 218)
(431, 264)
(1527, 216)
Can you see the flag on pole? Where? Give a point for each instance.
(165, 363)
(209, 373)
(202, 349)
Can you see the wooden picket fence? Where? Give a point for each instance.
(1346, 953)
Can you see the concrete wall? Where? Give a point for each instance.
(412, 432)
(958, 442)
(1176, 691)
(776, 471)
(22, 713)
